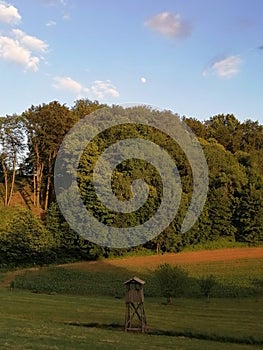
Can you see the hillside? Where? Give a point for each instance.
(141, 263)
(22, 195)
(238, 265)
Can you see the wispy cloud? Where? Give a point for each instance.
(54, 2)
(224, 67)
(51, 23)
(170, 25)
(59, 4)
(98, 90)
(102, 89)
(66, 17)
(9, 14)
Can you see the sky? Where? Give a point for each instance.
(198, 58)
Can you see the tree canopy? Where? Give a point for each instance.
(29, 144)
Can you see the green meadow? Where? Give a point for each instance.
(82, 307)
(42, 321)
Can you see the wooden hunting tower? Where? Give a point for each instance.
(134, 300)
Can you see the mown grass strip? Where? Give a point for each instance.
(171, 333)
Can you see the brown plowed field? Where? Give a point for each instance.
(151, 262)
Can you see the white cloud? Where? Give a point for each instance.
(22, 49)
(98, 90)
(67, 83)
(8, 13)
(169, 25)
(143, 80)
(225, 67)
(51, 23)
(30, 42)
(12, 50)
(17, 46)
(102, 89)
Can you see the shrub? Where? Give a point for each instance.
(206, 285)
(24, 240)
(172, 281)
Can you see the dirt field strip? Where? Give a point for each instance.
(184, 258)
(12, 274)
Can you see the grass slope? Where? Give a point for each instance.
(33, 321)
(45, 321)
(238, 273)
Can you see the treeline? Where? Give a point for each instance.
(29, 145)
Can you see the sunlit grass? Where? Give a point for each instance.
(40, 321)
(92, 294)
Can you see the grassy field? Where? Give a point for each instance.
(40, 321)
(238, 273)
(80, 306)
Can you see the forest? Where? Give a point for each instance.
(33, 231)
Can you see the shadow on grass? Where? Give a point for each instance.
(103, 279)
(172, 333)
(108, 281)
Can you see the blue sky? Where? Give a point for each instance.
(198, 58)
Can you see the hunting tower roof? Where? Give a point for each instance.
(134, 280)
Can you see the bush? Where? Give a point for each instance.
(25, 241)
(206, 285)
(171, 280)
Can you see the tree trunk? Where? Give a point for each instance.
(39, 184)
(157, 248)
(13, 180)
(35, 189)
(39, 175)
(6, 178)
(48, 183)
(169, 300)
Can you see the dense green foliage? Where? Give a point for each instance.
(233, 211)
(25, 240)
